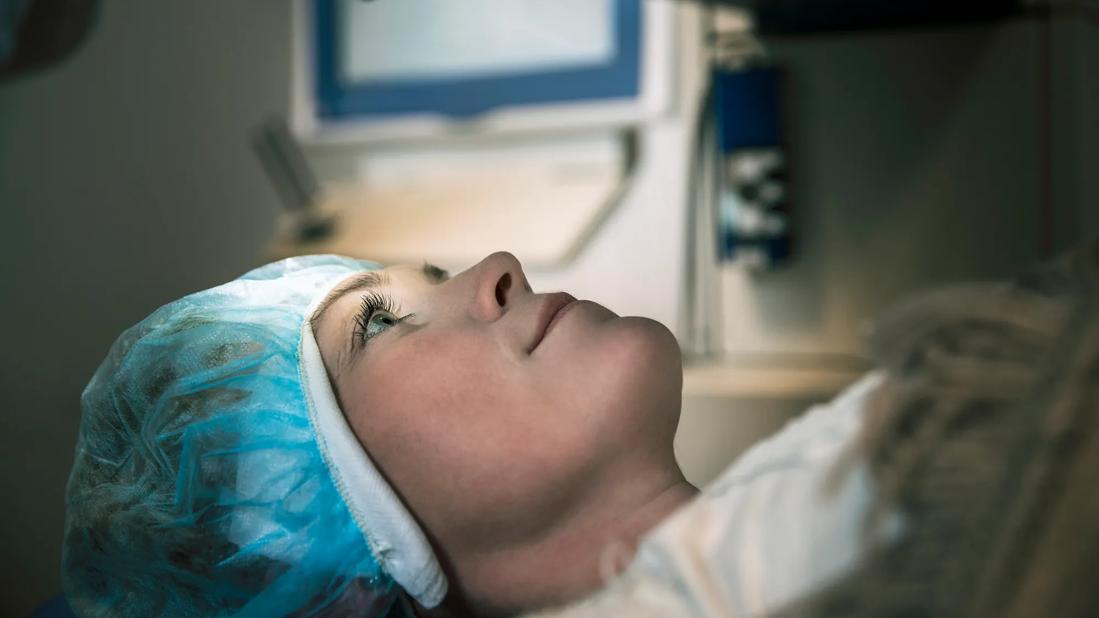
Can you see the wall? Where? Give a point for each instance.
(126, 181)
(915, 161)
(922, 157)
(1074, 101)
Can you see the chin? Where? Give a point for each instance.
(648, 377)
(655, 345)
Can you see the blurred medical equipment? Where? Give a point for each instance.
(924, 151)
(752, 205)
(455, 202)
(737, 213)
(294, 180)
(216, 475)
(446, 131)
(369, 71)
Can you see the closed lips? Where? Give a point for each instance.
(550, 308)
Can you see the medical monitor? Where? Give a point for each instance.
(411, 68)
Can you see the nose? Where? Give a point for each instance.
(500, 280)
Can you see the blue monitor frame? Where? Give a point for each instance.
(465, 96)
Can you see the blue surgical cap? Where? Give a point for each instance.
(215, 474)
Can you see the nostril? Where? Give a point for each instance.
(502, 287)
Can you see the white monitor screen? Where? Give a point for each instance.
(419, 40)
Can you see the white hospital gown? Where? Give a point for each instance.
(777, 524)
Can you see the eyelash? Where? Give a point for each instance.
(371, 304)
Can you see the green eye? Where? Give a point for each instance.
(378, 322)
(377, 312)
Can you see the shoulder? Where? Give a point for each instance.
(780, 521)
(806, 442)
(783, 519)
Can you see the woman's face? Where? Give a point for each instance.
(488, 426)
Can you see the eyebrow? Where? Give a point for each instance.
(369, 280)
(362, 281)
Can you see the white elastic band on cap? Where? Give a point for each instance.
(388, 527)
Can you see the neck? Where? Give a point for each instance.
(573, 559)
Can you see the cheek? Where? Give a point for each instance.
(448, 418)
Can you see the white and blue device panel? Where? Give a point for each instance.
(411, 68)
